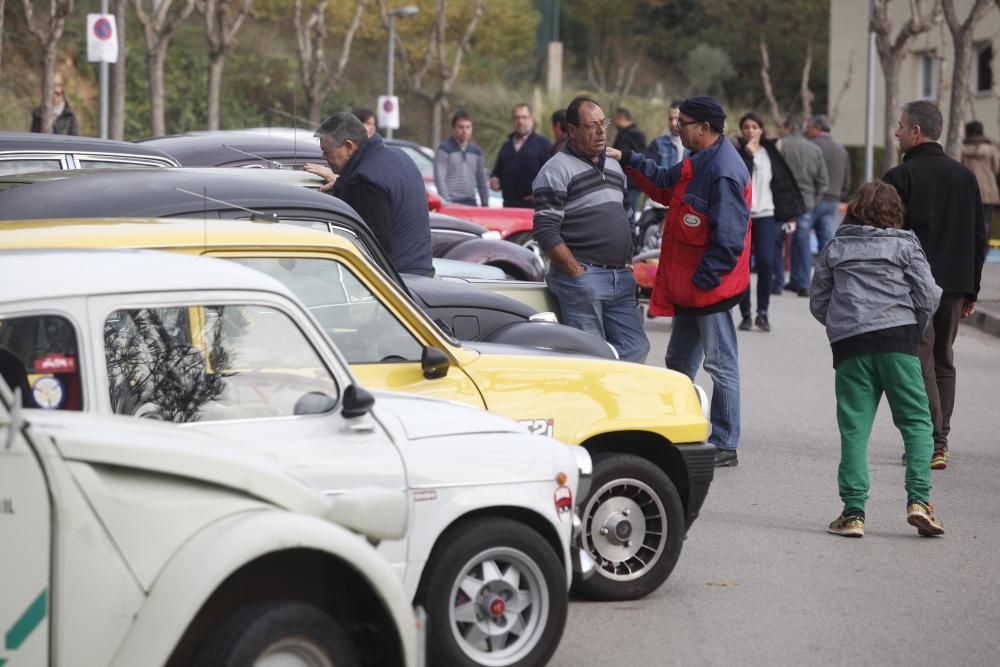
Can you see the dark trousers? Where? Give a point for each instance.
(763, 235)
(937, 361)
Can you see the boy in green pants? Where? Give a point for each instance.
(874, 291)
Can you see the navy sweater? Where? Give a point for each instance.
(517, 169)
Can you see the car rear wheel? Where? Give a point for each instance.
(495, 596)
(633, 527)
(278, 633)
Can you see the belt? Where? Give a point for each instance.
(610, 267)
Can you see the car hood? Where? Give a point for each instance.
(422, 418)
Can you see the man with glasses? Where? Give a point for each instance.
(582, 225)
(63, 118)
(704, 264)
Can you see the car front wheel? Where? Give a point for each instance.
(633, 527)
(278, 632)
(495, 594)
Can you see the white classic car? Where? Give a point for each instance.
(488, 553)
(128, 543)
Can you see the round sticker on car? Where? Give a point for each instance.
(48, 393)
(691, 220)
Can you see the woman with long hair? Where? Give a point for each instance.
(775, 199)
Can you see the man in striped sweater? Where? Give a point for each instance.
(581, 222)
(459, 169)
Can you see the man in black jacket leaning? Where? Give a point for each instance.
(944, 209)
(383, 185)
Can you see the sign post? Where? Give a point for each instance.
(102, 47)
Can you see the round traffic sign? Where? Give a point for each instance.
(102, 29)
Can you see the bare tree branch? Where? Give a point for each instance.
(48, 35)
(310, 40)
(962, 33)
(223, 19)
(807, 95)
(765, 75)
(158, 29)
(848, 79)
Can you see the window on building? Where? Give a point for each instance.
(928, 73)
(982, 76)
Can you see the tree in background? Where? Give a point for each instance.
(433, 79)
(48, 33)
(119, 78)
(961, 37)
(158, 29)
(223, 19)
(310, 40)
(923, 15)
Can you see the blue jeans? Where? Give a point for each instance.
(711, 338)
(801, 252)
(602, 302)
(762, 233)
(824, 222)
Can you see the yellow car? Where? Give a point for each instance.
(644, 427)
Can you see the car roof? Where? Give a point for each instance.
(154, 193)
(35, 141)
(208, 149)
(161, 233)
(35, 274)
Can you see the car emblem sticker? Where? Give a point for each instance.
(691, 220)
(48, 393)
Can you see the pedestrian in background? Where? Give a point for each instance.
(519, 159)
(945, 211)
(809, 168)
(582, 225)
(383, 185)
(982, 158)
(629, 138)
(667, 149)
(63, 118)
(775, 200)
(558, 131)
(367, 118)
(874, 292)
(459, 170)
(838, 171)
(704, 266)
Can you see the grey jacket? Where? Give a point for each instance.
(869, 279)
(805, 159)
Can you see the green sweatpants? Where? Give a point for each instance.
(860, 382)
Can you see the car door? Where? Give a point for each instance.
(365, 318)
(247, 370)
(25, 532)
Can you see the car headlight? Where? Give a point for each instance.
(547, 316)
(586, 467)
(703, 400)
(493, 235)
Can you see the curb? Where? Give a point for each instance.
(987, 321)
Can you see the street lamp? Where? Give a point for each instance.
(408, 10)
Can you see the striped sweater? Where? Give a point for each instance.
(583, 204)
(459, 174)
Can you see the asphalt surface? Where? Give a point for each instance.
(760, 582)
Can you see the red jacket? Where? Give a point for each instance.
(705, 252)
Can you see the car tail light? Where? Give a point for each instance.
(563, 499)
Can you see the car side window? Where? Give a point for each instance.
(39, 354)
(28, 165)
(110, 163)
(213, 363)
(353, 316)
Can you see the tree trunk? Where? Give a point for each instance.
(890, 71)
(437, 113)
(48, 83)
(118, 72)
(157, 119)
(315, 104)
(2, 3)
(959, 84)
(216, 64)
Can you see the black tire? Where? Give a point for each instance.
(277, 625)
(481, 640)
(633, 558)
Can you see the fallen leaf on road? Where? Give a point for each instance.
(724, 582)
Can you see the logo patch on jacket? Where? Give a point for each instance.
(691, 220)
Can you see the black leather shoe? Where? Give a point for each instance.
(746, 324)
(726, 458)
(802, 292)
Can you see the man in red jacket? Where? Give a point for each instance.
(704, 264)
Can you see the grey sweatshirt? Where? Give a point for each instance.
(805, 159)
(838, 167)
(868, 279)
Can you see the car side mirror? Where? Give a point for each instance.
(314, 403)
(379, 514)
(357, 402)
(434, 363)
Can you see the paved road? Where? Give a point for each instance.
(760, 582)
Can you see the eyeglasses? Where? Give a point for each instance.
(592, 127)
(57, 92)
(685, 123)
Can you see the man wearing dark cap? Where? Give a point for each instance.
(704, 264)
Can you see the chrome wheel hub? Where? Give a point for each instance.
(624, 528)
